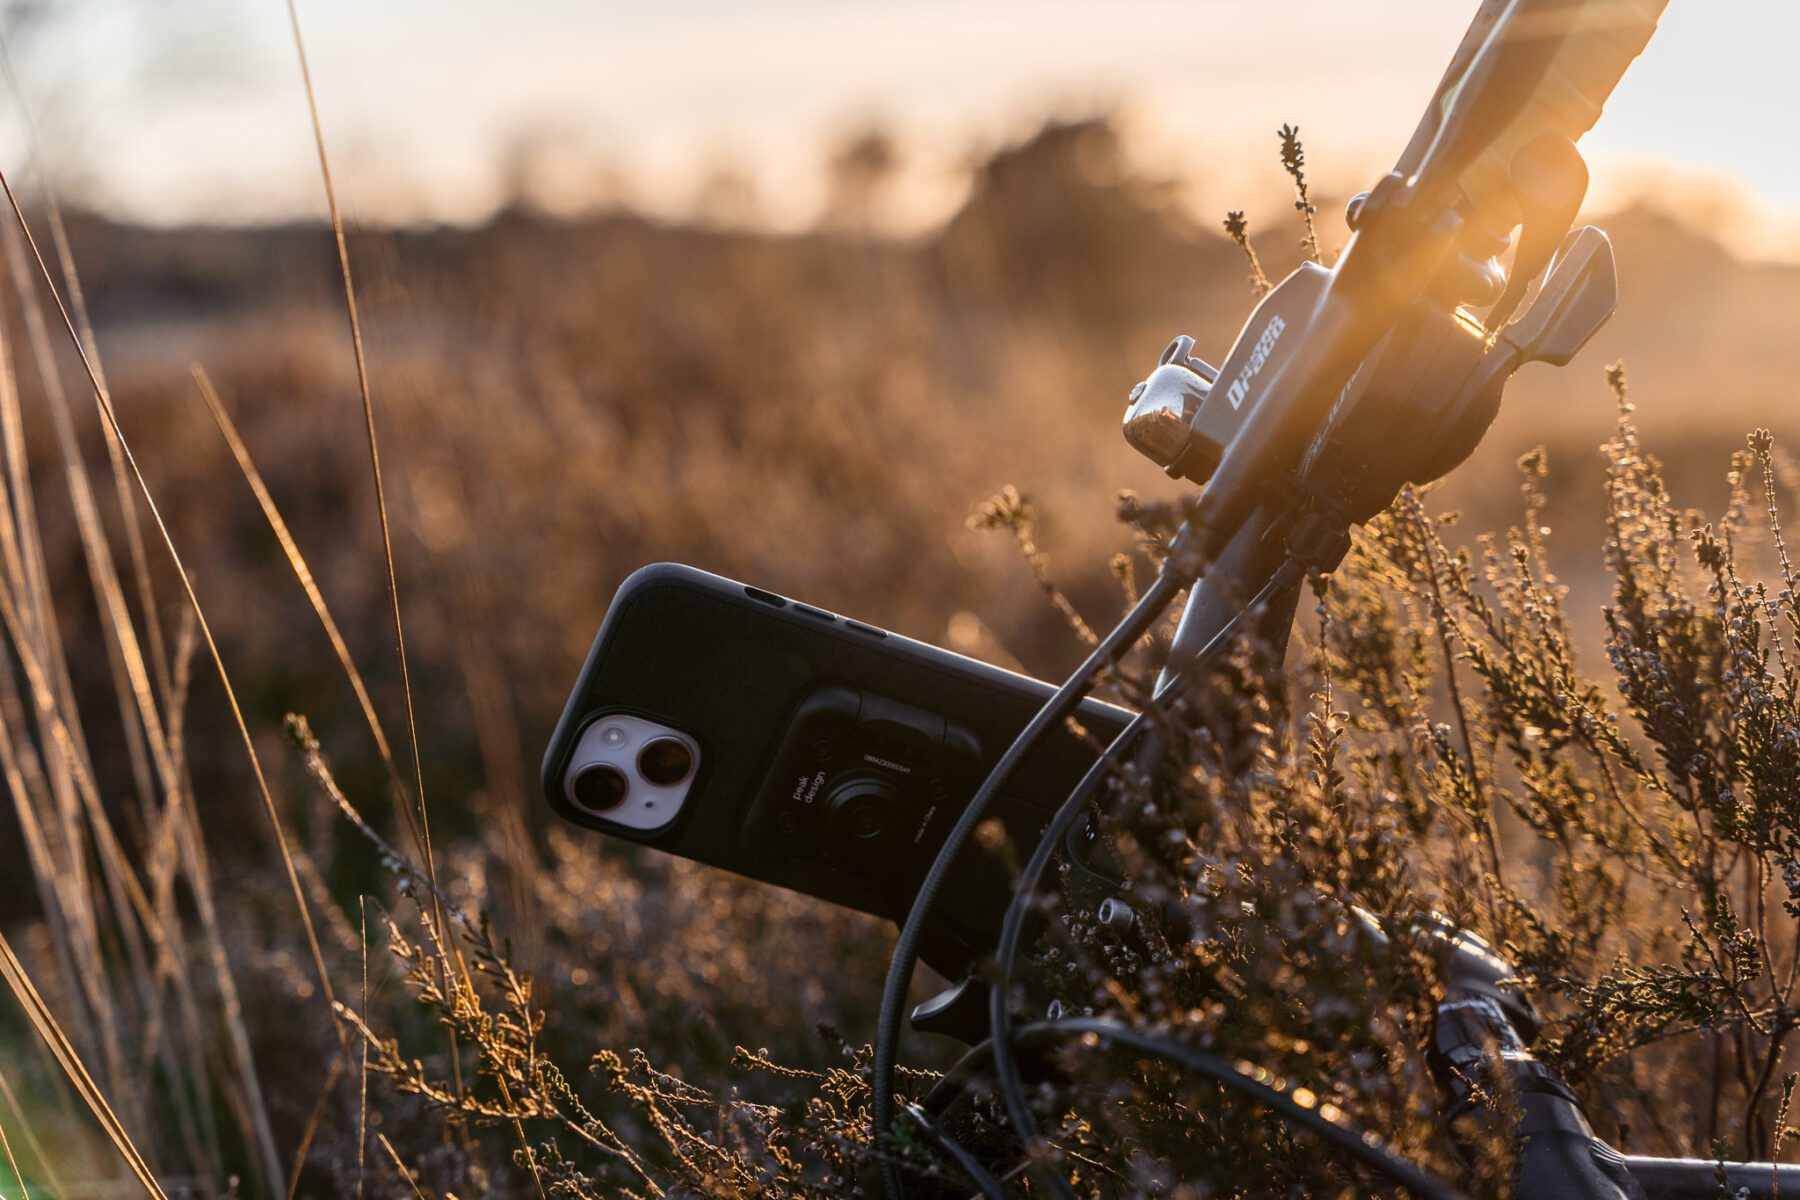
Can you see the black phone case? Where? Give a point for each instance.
(734, 666)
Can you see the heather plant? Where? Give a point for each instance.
(1237, 228)
(1293, 161)
(1435, 747)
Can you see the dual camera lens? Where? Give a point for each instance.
(663, 762)
(601, 787)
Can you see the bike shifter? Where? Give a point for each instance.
(1579, 294)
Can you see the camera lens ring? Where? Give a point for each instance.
(599, 788)
(858, 809)
(665, 761)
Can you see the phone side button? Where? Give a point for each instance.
(869, 630)
(810, 611)
(769, 598)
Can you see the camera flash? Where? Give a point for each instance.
(612, 738)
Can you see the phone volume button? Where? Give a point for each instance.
(868, 630)
(810, 611)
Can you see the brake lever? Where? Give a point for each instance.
(1579, 294)
(1423, 400)
(1550, 180)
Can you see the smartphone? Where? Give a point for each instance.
(739, 728)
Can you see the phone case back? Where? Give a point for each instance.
(735, 668)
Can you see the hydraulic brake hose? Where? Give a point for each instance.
(1360, 1146)
(983, 1179)
(906, 948)
(1006, 1071)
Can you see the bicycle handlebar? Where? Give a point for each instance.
(1526, 70)
(1591, 43)
(1699, 1179)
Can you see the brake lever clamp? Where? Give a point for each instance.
(1320, 537)
(1185, 414)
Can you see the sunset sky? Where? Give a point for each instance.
(193, 109)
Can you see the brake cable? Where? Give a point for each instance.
(1174, 577)
(1363, 1148)
(1006, 1069)
(980, 1176)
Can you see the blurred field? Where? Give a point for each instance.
(562, 400)
(570, 398)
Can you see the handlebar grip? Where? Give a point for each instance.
(1605, 37)
(1599, 40)
(1568, 1163)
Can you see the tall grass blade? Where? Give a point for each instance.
(173, 845)
(59, 240)
(32, 1143)
(368, 406)
(18, 1175)
(362, 1077)
(302, 572)
(381, 506)
(111, 417)
(400, 1166)
(44, 1022)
